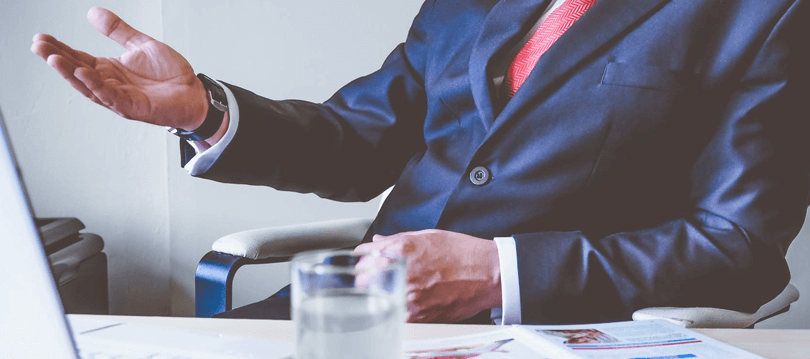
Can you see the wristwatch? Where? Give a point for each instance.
(218, 105)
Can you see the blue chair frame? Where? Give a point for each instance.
(213, 285)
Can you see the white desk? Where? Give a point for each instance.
(775, 344)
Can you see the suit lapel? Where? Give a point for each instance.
(605, 21)
(505, 24)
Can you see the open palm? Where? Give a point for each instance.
(150, 82)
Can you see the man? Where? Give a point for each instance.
(651, 154)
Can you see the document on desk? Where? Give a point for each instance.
(654, 339)
(497, 344)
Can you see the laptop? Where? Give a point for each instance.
(32, 320)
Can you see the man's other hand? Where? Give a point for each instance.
(150, 82)
(451, 276)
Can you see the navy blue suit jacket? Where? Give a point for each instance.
(656, 156)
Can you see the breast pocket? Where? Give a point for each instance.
(648, 77)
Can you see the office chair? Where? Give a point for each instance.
(721, 318)
(216, 270)
(213, 285)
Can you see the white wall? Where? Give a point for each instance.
(80, 160)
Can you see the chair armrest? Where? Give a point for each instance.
(216, 270)
(720, 318)
(286, 241)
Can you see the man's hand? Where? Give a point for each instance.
(451, 276)
(150, 82)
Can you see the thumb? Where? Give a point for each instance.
(379, 237)
(113, 27)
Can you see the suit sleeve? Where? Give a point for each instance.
(749, 195)
(350, 148)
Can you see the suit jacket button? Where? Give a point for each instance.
(479, 176)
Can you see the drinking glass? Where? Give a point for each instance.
(348, 304)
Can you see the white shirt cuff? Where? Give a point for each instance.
(510, 284)
(206, 157)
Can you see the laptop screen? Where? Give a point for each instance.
(32, 321)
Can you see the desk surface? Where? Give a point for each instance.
(775, 344)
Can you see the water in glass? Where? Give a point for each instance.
(349, 323)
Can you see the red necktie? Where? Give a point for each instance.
(549, 31)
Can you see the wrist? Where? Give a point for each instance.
(221, 132)
(211, 121)
(200, 111)
(494, 298)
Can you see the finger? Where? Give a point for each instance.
(39, 49)
(46, 50)
(96, 100)
(366, 247)
(113, 27)
(66, 50)
(412, 311)
(369, 247)
(379, 237)
(106, 70)
(415, 316)
(363, 278)
(109, 96)
(66, 68)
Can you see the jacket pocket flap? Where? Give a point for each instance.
(647, 77)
